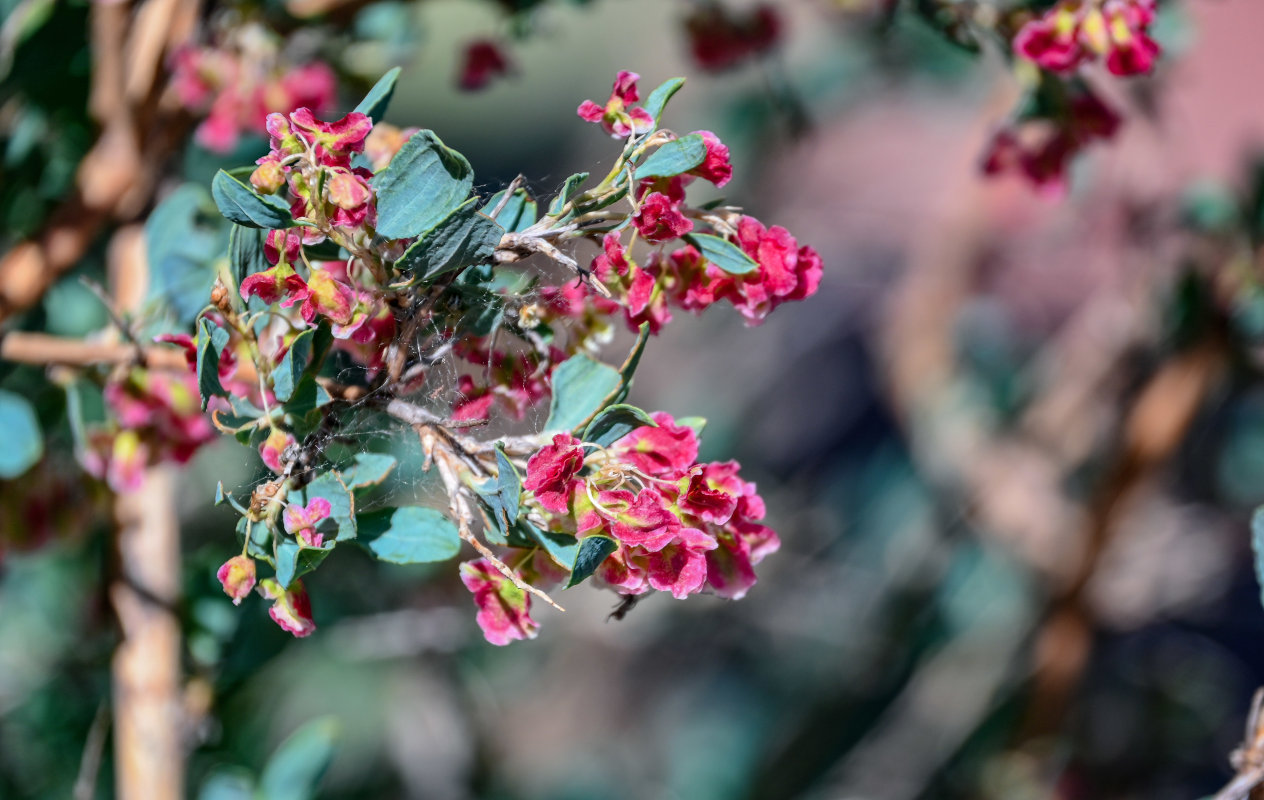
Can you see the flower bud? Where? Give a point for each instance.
(269, 176)
(237, 575)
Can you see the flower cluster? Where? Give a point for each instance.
(618, 116)
(678, 526)
(311, 161)
(483, 61)
(720, 39)
(237, 85)
(155, 417)
(1076, 31)
(1041, 149)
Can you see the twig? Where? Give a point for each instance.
(43, 349)
(90, 763)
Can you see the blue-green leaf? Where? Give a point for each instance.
(368, 469)
(723, 253)
(508, 486)
(409, 535)
(569, 187)
(298, 764)
(465, 237)
(658, 98)
(245, 252)
(614, 422)
(286, 375)
(379, 97)
(581, 387)
(592, 551)
(240, 204)
(295, 559)
(424, 183)
(23, 439)
(184, 237)
(674, 158)
(518, 214)
(211, 341)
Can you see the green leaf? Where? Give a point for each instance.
(369, 469)
(569, 186)
(295, 559)
(409, 535)
(245, 252)
(330, 486)
(379, 97)
(697, 423)
(674, 158)
(518, 214)
(615, 422)
(211, 341)
(581, 386)
(592, 551)
(287, 374)
(628, 370)
(424, 183)
(240, 204)
(298, 764)
(228, 783)
(658, 98)
(184, 237)
(508, 486)
(723, 253)
(465, 237)
(24, 441)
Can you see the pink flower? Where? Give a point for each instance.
(743, 544)
(291, 608)
(681, 567)
(504, 610)
(327, 297)
(335, 141)
(274, 447)
(720, 39)
(659, 219)
(237, 576)
(269, 175)
(717, 167)
(282, 245)
(786, 271)
(711, 492)
(1074, 31)
(301, 522)
(551, 472)
(1052, 41)
(274, 284)
(667, 451)
(616, 117)
(483, 61)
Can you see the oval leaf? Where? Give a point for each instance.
(615, 422)
(298, 764)
(723, 253)
(409, 535)
(581, 386)
(211, 341)
(466, 237)
(330, 486)
(674, 158)
(375, 102)
(424, 183)
(592, 551)
(24, 442)
(239, 203)
(658, 98)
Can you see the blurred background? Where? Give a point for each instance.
(1011, 448)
